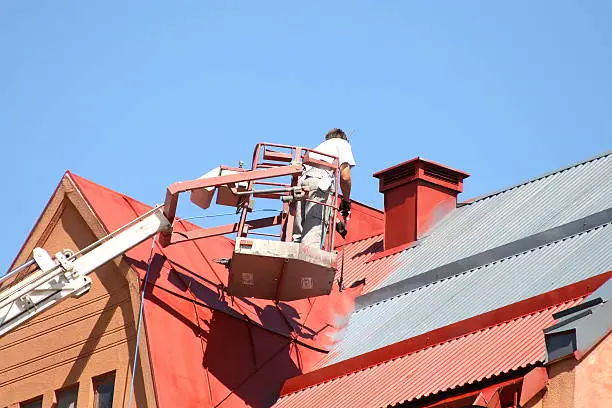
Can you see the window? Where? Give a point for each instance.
(67, 398)
(104, 387)
(33, 403)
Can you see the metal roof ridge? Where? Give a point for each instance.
(528, 181)
(75, 177)
(479, 323)
(486, 258)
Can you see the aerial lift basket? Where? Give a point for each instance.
(280, 270)
(261, 268)
(273, 267)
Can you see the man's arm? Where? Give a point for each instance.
(345, 181)
(345, 154)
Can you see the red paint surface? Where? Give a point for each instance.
(489, 399)
(364, 222)
(433, 204)
(207, 349)
(494, 317)
(392, 251)
(204, 353)
(363, 263)
(533, 382)
(434, 368)
(415, 199)
(401, 213)
(420, 161)
(471, 397)
(412, 209)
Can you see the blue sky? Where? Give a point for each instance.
(136, 95)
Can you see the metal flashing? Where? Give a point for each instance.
(533, 382)
(577, 308)
(486, 257)
(414, 160)
(572, 318)
(581, 327)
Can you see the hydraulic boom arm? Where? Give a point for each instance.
(66, 275)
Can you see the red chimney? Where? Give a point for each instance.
(418, 193)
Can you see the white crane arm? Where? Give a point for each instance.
(66, 275)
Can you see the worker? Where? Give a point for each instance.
(309, 216)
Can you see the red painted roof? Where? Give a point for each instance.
(365, 221)
(210, 350)
(366, 259)
(435, 368)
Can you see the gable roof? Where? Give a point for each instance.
(102, 321)
(531, 238)
(207, 348)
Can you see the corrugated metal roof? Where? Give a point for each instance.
(533, 207)
(355, 256)
(477, 291)
(544, 203)
(467, 359)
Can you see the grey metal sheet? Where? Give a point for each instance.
(489, 222)
(485, 257)
(576, 164)
(604, 292)
(582, 327)
(477, 291)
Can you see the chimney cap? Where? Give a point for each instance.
(421, 169)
